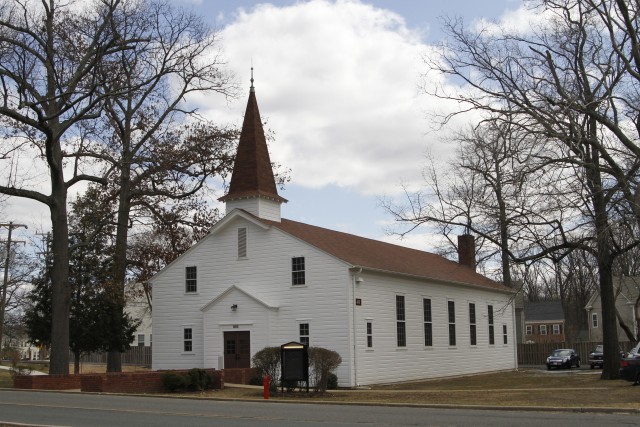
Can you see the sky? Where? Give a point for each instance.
(339, 84)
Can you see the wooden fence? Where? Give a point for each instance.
(536, 354)
(140, 356)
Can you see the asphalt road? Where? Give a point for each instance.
(81, 409)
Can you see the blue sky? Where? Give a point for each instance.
(338, 82)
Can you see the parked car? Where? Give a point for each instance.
(596, 356)
(630, 369)
(563, 358)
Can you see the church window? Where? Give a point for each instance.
(304, 333)
(191, 279)
(297, 271)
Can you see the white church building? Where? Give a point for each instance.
(257, 280)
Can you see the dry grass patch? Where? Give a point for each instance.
(581, 389)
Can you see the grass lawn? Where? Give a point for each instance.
(526, 387)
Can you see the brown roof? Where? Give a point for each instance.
(381, 256)
(252, 173)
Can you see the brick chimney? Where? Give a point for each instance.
(467, 250)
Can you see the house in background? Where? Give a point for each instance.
(258, 280)
(544, 322)
(627, 291)
(18, 341)
(138, 308)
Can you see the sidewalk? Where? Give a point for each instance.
(8, 368)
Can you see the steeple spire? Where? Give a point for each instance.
(252, 185)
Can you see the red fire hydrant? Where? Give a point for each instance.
(266, 382)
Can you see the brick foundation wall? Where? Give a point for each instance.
(133, 382)
(47, 382)
(240, 375)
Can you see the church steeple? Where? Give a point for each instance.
(253, 187)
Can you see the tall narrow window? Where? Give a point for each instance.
(188, 339)
(304, 333)
(529, 329)
(472, 324)
(594, 320)
(556, 329)
(451, 309)
(140, 340)
(401, 331)
(491, 332)
(543, 329)
(191, 279)
(369, 335)
(242, 242)
(504, 334)
(428, 324)
(297, 270)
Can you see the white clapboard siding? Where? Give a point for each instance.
(266, 274)
(271, 309)
(385, 362)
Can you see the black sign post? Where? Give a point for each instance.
(294, 361)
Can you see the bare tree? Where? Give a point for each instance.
(570, 84)
(50, 54)
(160, 152)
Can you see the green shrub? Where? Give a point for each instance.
(332, 382)
(199, 379)
(173, 381)
(256, 380)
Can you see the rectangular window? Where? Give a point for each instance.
(297, 271)
(594, 320)
(504, 334)
(529, 329)
(369, 334)
(304, 333)
(188, 339)
(472, 324)
(543, 329)
(556, 329)
(191, 279)
(428, 323)
(401, 331)
(140, 340)
(490, 317)
(242, 242)
(451, 309)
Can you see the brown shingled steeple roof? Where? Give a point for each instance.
(252, 173)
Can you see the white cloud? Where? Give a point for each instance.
(338, 83)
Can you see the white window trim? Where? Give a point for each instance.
(424, 323)
(404, 309)
(183, 340)
(449, 323)
(475, 321)
(595, 323)
(542, 328)
(185, 280)
(306, 276)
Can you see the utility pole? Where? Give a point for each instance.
(5, 283)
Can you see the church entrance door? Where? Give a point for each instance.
(237, 349)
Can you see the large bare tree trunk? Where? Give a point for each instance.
(61, 292)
